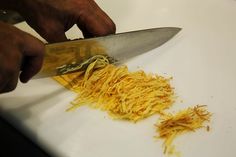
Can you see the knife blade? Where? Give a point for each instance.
(118, 47)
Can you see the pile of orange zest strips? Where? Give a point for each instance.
(133, 96)
(170, 126)
(124, 95)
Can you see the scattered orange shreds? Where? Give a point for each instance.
(170, 126)
(124, 95)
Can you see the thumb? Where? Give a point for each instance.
(33, 53)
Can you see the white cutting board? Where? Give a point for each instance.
(201, 59)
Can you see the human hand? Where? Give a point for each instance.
(52, 18)
(20, 55)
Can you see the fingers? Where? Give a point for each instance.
(9, 71)
(52, 18)
(53, 33)
(9, 83)
(15, 46)
(33, 52)
(30, 67)
(50, 29)
(94, 22)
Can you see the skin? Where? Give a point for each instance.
(21, 55)
(16, 45)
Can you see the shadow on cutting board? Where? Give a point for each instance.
(15, 144)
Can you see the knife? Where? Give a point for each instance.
(118, 48)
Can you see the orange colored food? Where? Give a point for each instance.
(123, 94)
(170, 126)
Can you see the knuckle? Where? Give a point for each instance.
(111, 28)
(53, 34)
(10, 87)
(41, 48)
(6, 85)
(36, 69)
(10, 69)
(17, 39)
(108, 29)
(37, 65)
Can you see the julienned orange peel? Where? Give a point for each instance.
(124, 95)
(133, 96)
(170, 126)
